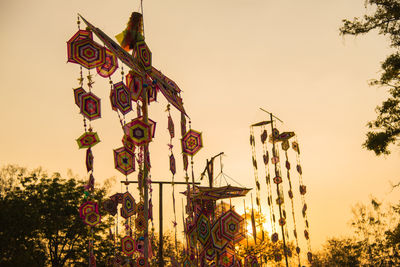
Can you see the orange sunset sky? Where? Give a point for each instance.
(230, 57)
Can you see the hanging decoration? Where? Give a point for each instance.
(280, 144)
(211, 234)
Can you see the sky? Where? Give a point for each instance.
(230, 58)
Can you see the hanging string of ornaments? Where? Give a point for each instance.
(138, 89)
(280, 144)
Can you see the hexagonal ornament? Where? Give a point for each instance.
(128, 245)
(128, 204)
(122, 98)
(90, 106)
(88, 139)
(138, 131)
(144, 55)
(203, 229)
(88, 207)
(192, 142)
(92, 219)
(232, 226)
(124, 161)
(88, 53)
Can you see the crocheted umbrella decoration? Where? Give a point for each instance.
(191, 142)
(232, 227)
(128, 204)
(92, 219)
(88, 139)
(218, 241)
(203, 229)
(122, 98)
(78, 92)
(110, 206)
(215, 193)
(143, 54)
(79, 35)
(88, 53)
(138, 131)
(110, 65)
(89, 159)
(88, 207)
(90, 106)
(128, 245)
(134, 83)
(124, 161)
(227, 258)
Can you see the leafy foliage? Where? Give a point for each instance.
(40, 223)
(385, 130)
(375, 243)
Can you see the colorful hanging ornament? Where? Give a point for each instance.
(89, 159)
(128, 245)
(110, 206)
(138, 131)
(88, 207)
(128, 144)
(110, 65)
(227, 258)
(203, 229)
(124, 161)
(92, 219)
(90, 106)
(172, 166)
(191, 142)
(144, 55)
(128, 204)
(79, 35)
(78, 92)
(232, 226)
(122, 98)
(134, 83)
(87, 53)
(218, 240)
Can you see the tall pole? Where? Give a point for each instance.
(145, 178)
(279, 194)
(160, 246)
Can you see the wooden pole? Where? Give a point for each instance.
(278, 192)
(145, 177)
(160, 246)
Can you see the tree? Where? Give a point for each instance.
(40, 223)
(375, 242)
(385, 129)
